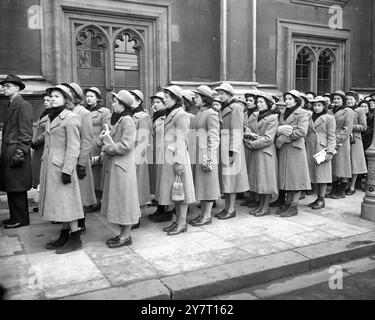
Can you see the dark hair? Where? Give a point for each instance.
(344, 100)
(268, 103)
(312, 93)
(207, 100)
(364, 102)
(299, 101)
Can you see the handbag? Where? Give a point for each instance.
(178, 193)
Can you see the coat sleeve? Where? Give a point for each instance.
(73, 143)
(347, 128)
(300, 131)
(39, 138)
(236, 134)
(331, 134)
(128, 135)
(213, 133)
(86, 139)
(143, 139)
(182, 138)
(268, 138)
(362, 121)
(25, 127)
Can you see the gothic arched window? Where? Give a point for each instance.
(304, 60)
(326, 60)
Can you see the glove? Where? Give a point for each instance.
(18, 159)
(81, 172)
(179, 169)
(285, 130)
(329, 157)
(32, 145)
(66, 178)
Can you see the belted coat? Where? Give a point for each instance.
(17, 134)
(321, 135)
(233, 174)
(86, 185)
(264, 157)
(341, 163)
(293, 167)
(205, 127)
(176, 140)
(120, 202)
(61, 202)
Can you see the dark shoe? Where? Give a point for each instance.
(15, 225)
(341, 192)
(263, 213)
(176, 231)
(303, 195)
(165, 217)
(214, 205)
(120, 243)
(56, 222)
(283, 208)
(221, 213)
(277, 203)
(171, 227)
(320, 204)
(136, 226)
(240, 196)
(291, 212)
(35, 209)
(335, 189)
(159, 211)
(81, 225)
(309, 192)
(94, 208)
(312, 203)
(202, 222)
(61, 241)
(350, 192)
(228, 216)
(254, 211)
(112, 240)
(253, 204)
(196, 219)
(7, 221)
(74, 243)
(245, 203)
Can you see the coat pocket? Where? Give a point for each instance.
(299, 143)
(121, 164)
(268, 151)
(58, 162)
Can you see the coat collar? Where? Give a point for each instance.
(294, 115)
(170, 117)
(56, 122)
(13, 107)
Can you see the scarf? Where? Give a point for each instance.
(316, 116)
(288, 112)
(337, 109)
(158, 114)
(263, 114)
(97, 107)
(128, 111)
(138, 109)
(251, 111)
(227, 104)
(54, 113)
(176, 106)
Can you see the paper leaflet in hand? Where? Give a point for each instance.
(320, 157)
(107, 139)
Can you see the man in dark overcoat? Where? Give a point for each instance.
(15, 158)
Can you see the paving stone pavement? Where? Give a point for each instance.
(29, 271)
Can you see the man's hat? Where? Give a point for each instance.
(12, 78)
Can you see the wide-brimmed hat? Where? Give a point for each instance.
(352, 94)
(204, 91)
(242, 100)
(138, 94)
(176, 90)
(227, 87)
(124, 96)
(251, 93)
(95, 90)
(12, 78)
(61, 88)
(76, 88)
(339, 93)
(265, 96)
(319, 99)
(293, 93)
(160, 95)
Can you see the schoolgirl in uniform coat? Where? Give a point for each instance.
(176, 159)
(341, 164)
(206, 127)
(357, 154)
(120, 202)
(250, 113)
(60, 198)
(321, 135)
(143, 127)
(263, 126)
(293, 167)
(101, 117)
(233, 163)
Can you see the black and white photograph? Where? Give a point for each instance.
(187, 155)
